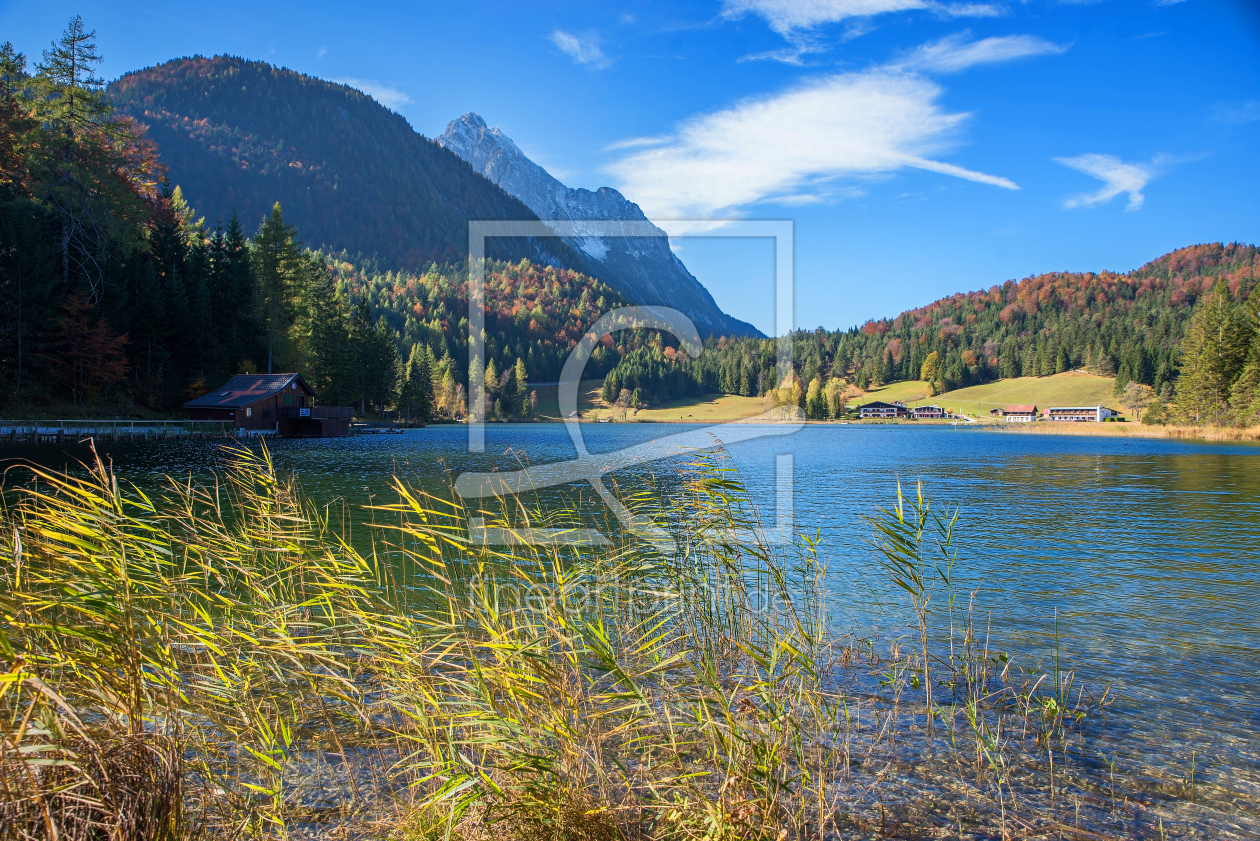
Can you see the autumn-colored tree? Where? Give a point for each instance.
(91, 357)
(930, 373)
(95, 170)
(836, 394)
(1137, 396)
(815, 404)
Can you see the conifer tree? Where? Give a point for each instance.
(278, 276)
(1245, 394)
(520, 380)
(1213, 354)
(328, 342)
(416, 396)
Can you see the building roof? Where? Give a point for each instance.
(1074, 408)
(879, 404)
(244, 389)
(1021, 409)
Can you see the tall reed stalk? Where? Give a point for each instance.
(223, 660)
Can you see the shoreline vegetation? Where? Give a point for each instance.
(220, 660)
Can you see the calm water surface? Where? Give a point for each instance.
(1147, 549)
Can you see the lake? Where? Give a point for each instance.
(1147, 549)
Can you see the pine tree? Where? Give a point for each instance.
(416, 395)
(278, 276)
(1245, 394)
(328, 344)
(520, 379)
(1213, 354)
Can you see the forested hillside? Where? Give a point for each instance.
(240, 135)
(1128, 325)
(114, 290)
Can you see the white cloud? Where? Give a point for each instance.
(637, 142)
(321, 52)
(583, 49)
(787, 16)
(386, 95)
(853, 125)
(954, 52)
(1117, 176)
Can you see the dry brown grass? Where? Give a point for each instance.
(1131, 430)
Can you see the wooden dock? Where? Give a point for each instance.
(68, 431)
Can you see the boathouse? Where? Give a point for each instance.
(280, 404)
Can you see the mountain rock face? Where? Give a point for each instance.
(241, 135)
(644, 269)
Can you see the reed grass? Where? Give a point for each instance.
(220, 660)
(1130, 430)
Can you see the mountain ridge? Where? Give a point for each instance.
(644, 269)
(238, 134)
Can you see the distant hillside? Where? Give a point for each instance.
(1125, 325)
(533, 313)
(350, 174)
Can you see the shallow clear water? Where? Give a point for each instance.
(1147, 549)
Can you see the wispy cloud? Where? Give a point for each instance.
(637, 143)
(954, 53)
(789, 16)
(791, 145)
(1117, 177)
(387, 95)
(583, 49)
(1236, 113)
(321, 52)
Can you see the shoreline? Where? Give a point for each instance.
(1112, 430)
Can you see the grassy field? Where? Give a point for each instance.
(906, 392)
(548, 408)
(1067, 389)
(711, 408)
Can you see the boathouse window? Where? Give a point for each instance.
(288, 400)
(249, 413)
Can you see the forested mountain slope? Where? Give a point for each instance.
(1129, 325)
(351, 175)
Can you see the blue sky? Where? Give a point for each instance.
(923, 147)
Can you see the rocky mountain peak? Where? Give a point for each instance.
(644, 269)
